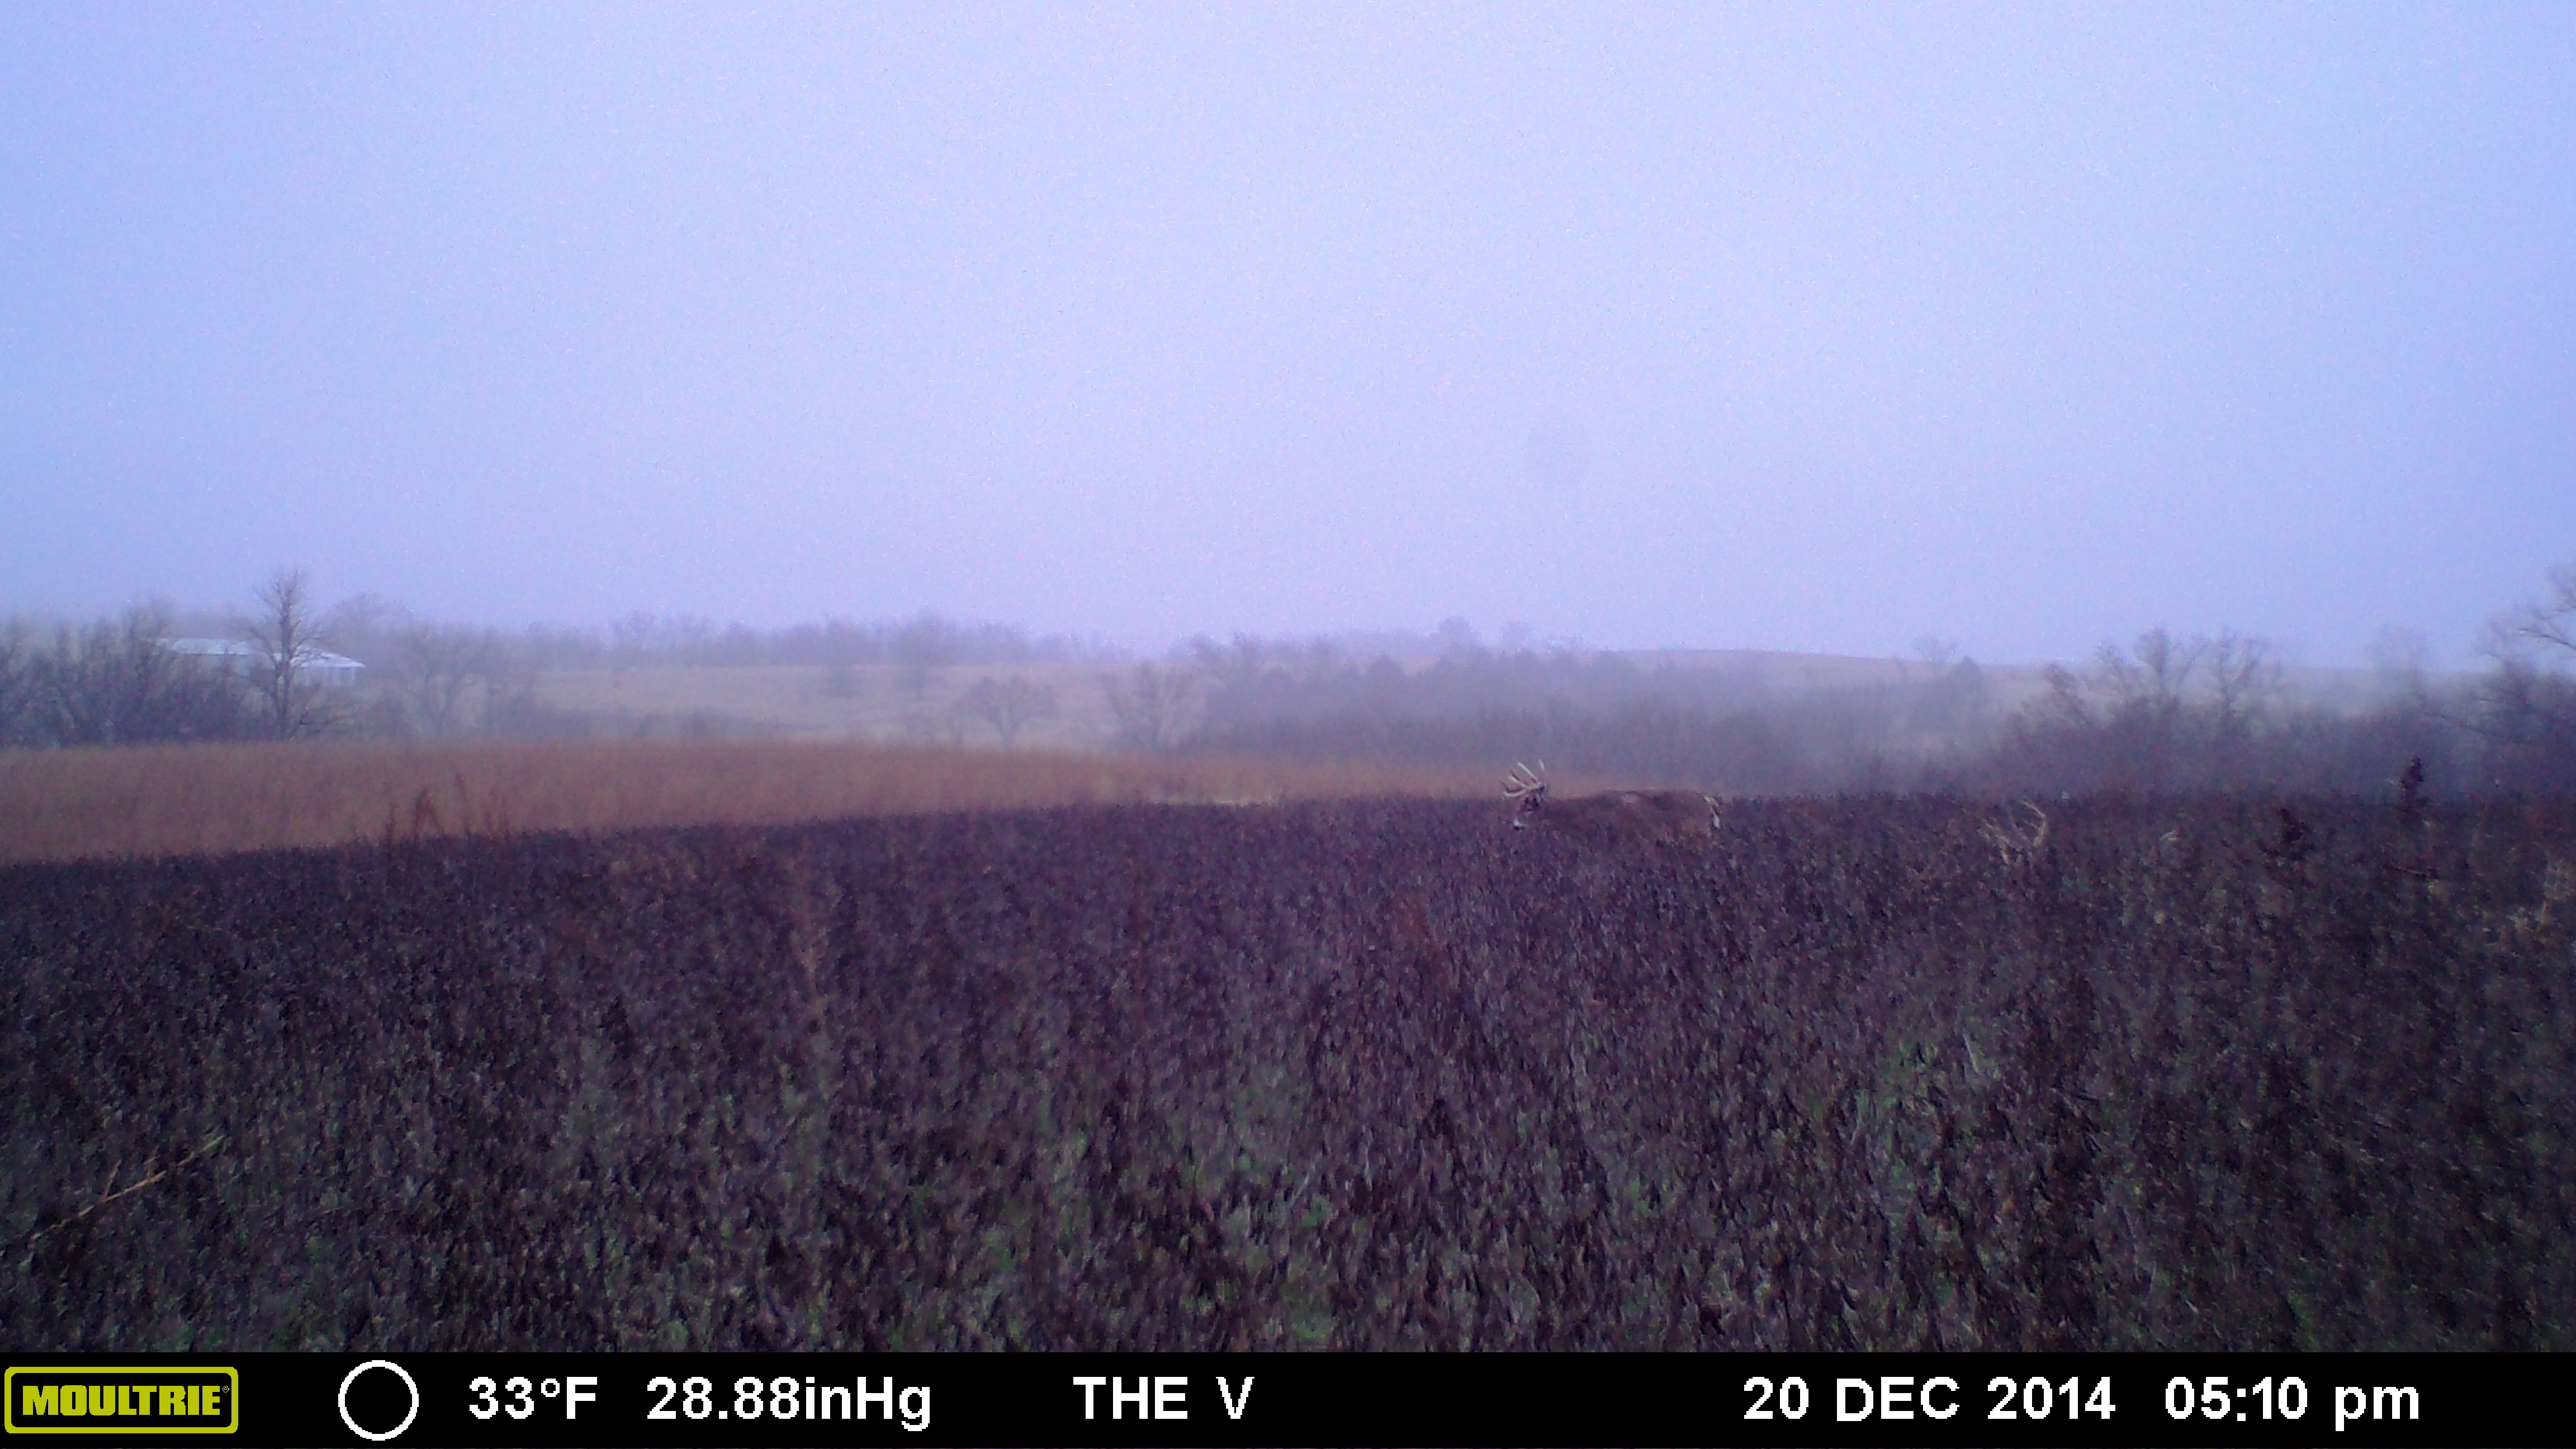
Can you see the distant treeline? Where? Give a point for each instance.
(2164, 717)
(1582, 711)
(120, 681)
(379, 634)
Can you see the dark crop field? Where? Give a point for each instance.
(1854, 1074)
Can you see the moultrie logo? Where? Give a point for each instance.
(123, 1400)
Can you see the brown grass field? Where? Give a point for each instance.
(217, 799)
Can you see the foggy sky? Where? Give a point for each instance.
(1771, 327)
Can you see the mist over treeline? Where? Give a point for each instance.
(2163, 714)
(120, 681)
(380, 634)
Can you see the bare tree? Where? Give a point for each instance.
(1151, 706)
(2150, 713)
(632, 638)
(841, 645)
(17, 685)
(2525, 718)
(2124, 723)
(1228, 668)
(2153, 679)
(925, 645)
(2244, 679)
(289, 639)
(2526, 711)
(1454, 635)
(2549, 624)
(441, 663)
(1009, 705)
(2064, 705)
(117, 683)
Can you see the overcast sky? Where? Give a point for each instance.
(1779, 326)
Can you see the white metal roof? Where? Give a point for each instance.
(228, 647)
(236, 649)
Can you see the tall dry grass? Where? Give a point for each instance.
(215, 799)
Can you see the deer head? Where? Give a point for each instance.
(1527, 790)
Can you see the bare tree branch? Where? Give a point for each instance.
(1009, 705)
(441, 663)
(2245, 678)
(1151, 706)
(290, 642)
(2549, 623)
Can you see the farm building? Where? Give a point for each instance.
(238, 658)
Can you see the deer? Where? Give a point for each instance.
(2019, 840)
(1654, 815)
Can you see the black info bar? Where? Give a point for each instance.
(637, 1399)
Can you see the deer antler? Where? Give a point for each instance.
(1523, 781)
(2019, 844)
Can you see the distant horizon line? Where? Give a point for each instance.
(1409, 642)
